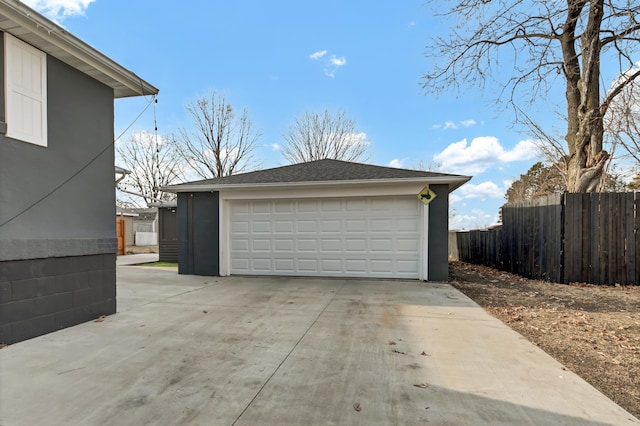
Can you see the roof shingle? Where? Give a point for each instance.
(319, 171)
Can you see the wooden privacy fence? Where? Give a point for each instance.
(564, 238)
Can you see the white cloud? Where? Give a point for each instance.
(477, 219)
(411, 24)
(524, 150)
(317, 55)
(333, 65)
(482, 153)
(231, 154)
(449, 124)
(338, 62)
(58, 10)
(147, 138)
(331, 62)
(482, 191)
(453, 198)
(355, 139)
(275, 147)
(396, 162)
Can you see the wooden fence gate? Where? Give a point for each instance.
(120, 234)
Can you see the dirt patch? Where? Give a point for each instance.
(593, 331)
(142, 249)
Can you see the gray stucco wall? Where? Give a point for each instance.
(78, 218)
(57, 211)
(439, 234)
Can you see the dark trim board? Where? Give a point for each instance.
(168, 234)
(38, 296)
(438, 234)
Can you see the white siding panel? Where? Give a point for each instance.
(356, 237)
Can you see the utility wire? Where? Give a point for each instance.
(80, 170)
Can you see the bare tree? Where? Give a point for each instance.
(622, 120)
(545, 43)
(153, 162)
(220, 142)
(316, 136)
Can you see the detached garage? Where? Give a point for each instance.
(325, 218)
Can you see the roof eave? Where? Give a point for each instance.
(454, 183)
(55, 40)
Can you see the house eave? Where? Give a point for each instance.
(31, 27)
(454, 183)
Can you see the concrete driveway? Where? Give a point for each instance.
(291, 351)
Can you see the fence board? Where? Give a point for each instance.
(585, 242)
(629, 243)
(573, 235)
(594, 240)
(637, 236)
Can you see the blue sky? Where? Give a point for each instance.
(282, 58)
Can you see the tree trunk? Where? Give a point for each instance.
(585, 130)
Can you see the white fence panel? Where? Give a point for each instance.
(146, 238)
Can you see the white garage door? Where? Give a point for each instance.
(355, 237)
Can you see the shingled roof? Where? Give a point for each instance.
(326, 170)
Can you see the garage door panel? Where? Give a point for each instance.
(284, 207)
(261, 207)
(331, 225)
(261, 227)
(284, 266)
(261, 264)
(308, 245)
(240, 265)
(379, 204)
(307, 206)
(240, 207)
(358, 245)
(408, 266)
(308, 265)
(240, 227)
(328, 245)
(307, 226)
(356, 266)
(240, 245)
(354, 205)
(331, 265)
(355, 225)
(381, 266)
(408, 225)
(382, 245)
(284, 226)
(261, 245)
(284, 245)
(381, 225)
(411, 245)
(330, 205)
(356, 237)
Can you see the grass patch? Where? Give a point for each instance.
(164, 264)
